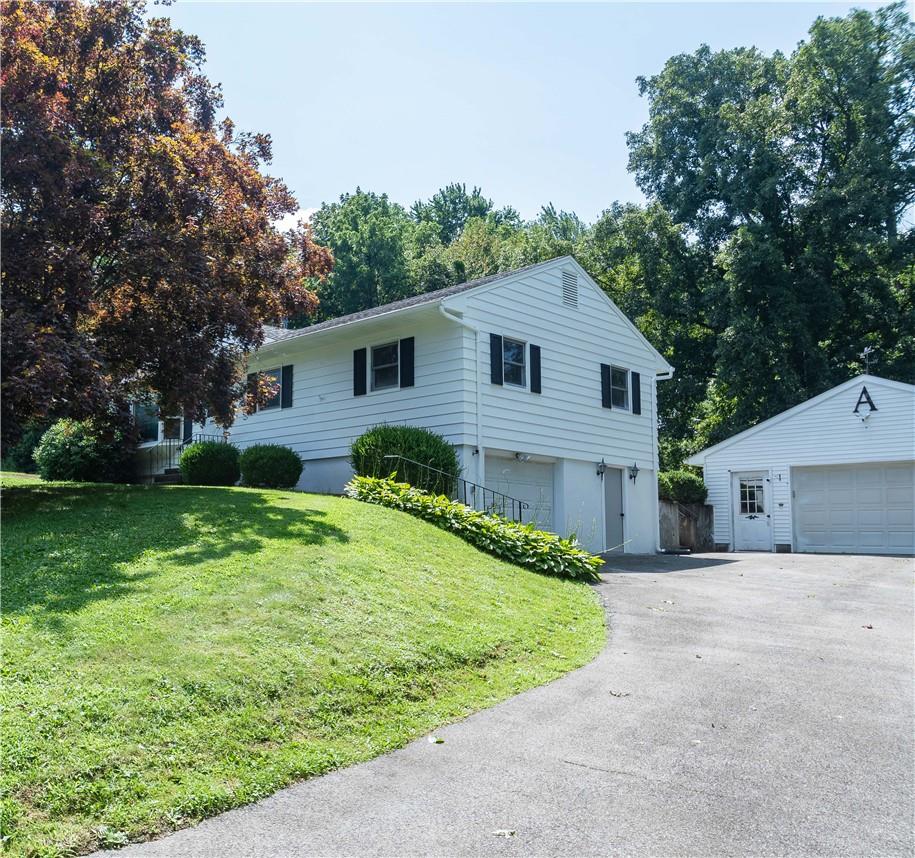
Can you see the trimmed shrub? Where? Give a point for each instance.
(209, 463)
(368, 451)
(521, 544)
(21, 455)
(681, 487)
(84, 451)
(270, 466)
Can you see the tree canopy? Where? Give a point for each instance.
(139, 252)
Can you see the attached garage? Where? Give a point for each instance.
(835, 474)
(527, 480)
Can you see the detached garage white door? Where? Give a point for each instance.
(531, 482)
(855, 509)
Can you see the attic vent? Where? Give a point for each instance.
(570, 288)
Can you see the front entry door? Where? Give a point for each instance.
(752, 520)
(613, 509)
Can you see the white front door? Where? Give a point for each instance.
(752, 520)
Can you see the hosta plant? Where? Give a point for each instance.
(518, 543)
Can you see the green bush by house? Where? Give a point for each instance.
(84, 451)
(518, 543)
(20, 456)
(270, 466)
(368, 452)
(681, 487)
(210, 463)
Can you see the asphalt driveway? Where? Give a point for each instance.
(752, 704)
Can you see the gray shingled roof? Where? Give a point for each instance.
(274, 334)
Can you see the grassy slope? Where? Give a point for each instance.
(171, 652)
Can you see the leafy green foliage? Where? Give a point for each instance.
(19, 455)
(681, 486)
(84, 451)
(270, 466)
(368, 452)
(171, 652)
(521, 544)
(210, 463)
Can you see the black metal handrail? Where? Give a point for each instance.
(457, 488)
(164, 454)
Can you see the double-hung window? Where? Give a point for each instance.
(619, 387)
(273, 377)
(385, 366)
(514, 370)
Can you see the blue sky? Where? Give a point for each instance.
(529, 101)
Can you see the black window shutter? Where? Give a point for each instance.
(187, 433)
(406, 362)
(286, 387)
(495, 358)
(605, 399)
(359, 372)
(636, 393)
(535, 369)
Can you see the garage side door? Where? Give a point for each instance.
(855, 509)
(531, 482)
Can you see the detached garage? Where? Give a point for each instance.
(835, 474)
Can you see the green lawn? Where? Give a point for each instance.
(170, 652)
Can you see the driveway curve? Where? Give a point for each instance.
(745, 704)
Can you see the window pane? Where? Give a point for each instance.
(384, 355)
(386, 376)
(147, 419)
(619, 377)
(273, 377)
(619, 398)
(513, 351)
(514, 374)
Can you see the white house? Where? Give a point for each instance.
(546, 389)
(833, 474)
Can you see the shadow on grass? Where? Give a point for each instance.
(67, 546)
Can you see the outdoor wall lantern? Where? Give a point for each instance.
(601, 468)
(633, 471)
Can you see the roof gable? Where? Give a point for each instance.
(807, 405)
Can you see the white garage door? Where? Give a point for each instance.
(531, 482)
(855, 509)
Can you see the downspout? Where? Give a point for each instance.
(478, 387)
(662, 376)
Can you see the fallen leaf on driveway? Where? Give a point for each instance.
(868, 626)
(436, 740)
(504, 832)
(619, 693)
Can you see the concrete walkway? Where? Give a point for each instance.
(742, 706)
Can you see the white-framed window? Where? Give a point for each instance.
(514, 369)
(385, 366)
(752, 493)
(273, 376)
(619, 387)
(146, 417)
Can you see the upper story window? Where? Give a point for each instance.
(619, 387)
(385, 366)
(274, 377)
(514, 370)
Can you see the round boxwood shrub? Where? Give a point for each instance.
(85, 451)
(368, 451)
(209, 463)
(682, 487)
(270, 466)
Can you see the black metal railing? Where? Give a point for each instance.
(158, 458)
(457, 488)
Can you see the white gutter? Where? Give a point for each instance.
(479, 389)
(662, 376)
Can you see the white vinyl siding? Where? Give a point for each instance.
(826, 433)
(566, 419)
